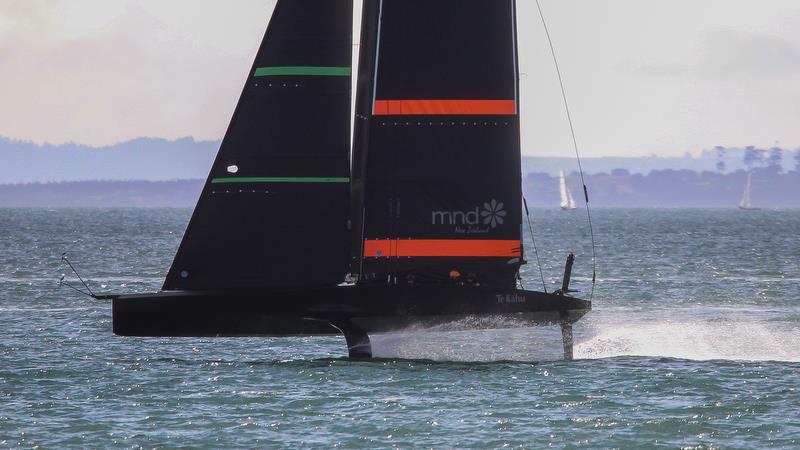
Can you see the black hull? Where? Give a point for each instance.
(324, 311)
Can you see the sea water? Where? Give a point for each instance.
(694, 342)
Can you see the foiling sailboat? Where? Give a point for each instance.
(420, 225)
(567, 201)
(746, 203)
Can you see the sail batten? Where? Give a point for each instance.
(441, 248)
(303, 71)
(255, 180)
(444, 107)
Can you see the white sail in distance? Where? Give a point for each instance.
(745, 203)
(567, 201)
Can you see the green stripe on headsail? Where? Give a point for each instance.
(303, 70)
(279, 180)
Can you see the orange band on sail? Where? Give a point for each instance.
(444, 107)
(385, 248)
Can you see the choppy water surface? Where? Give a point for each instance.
(694, 342)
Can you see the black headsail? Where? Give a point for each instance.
(437, 189)
(275, 208)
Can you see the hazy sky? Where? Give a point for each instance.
(643, 76)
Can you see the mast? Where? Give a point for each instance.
(437, 171)
(365, 91)
(274, 211)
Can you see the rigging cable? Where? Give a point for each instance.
(62, 282)
(533, 238)
(575, 145)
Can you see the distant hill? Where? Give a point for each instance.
(148, 172)
(149, 159)
(150, 194)
(154, 159)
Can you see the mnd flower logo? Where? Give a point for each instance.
(481, 219)
(493, 213)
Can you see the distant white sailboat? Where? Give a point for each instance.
(746, 203)
(567, 202)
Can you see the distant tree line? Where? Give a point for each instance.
(754, 157)
(771, 188)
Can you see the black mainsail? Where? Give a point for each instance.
(430, 223)
(437, 173)
(275, 208)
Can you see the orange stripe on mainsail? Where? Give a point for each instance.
(444, 107)
(384, 248)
